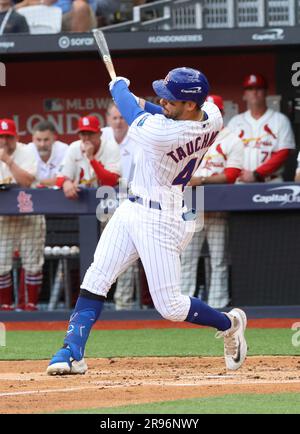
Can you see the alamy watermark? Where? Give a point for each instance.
(296, 74)
(296, 335)
(191, 209)
(2, 74)
(2, 335)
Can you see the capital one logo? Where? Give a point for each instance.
(2, 74)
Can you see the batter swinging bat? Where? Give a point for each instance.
(104, 51)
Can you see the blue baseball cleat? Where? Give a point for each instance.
(63, 363)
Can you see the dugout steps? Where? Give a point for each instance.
(149, 314)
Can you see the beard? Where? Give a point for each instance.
(44, 153)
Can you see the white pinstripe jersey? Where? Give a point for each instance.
(261, 137)
(227, 151)
(171, 151)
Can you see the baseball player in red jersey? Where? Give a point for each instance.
(25, 233)
(151, 223)
(221, 164)
(267, 134)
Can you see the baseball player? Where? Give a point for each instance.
(117, 132)
(25, 233)
(267, 135)
(90, 161)
(221, 164)
(152, 223)
(49, 153)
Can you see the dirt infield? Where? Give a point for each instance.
(25, 388)
(138, 324)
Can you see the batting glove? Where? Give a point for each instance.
(115, 80)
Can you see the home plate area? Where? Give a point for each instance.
(25, 387)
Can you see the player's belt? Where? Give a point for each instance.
(141, 201)
(187, 216)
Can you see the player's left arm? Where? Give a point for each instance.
(108, 173)
(285, 145)
(126, 102)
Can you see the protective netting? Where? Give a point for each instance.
(238, 258)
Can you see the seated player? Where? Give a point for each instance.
(89, 161)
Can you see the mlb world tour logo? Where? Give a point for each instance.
(2, 74)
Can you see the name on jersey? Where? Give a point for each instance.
(192, 147)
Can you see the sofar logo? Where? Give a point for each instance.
(2, 74)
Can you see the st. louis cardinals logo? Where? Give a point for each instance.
(25, 203)
(268, 130)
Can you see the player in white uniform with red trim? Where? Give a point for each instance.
(267, 134)
(90, 161)
(221, 164)
(22, 233)
(151, 224)
(49, 153)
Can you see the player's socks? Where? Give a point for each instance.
(87, 310)
(6, 289)
(202, 314)
(33, 284)
(21, 289)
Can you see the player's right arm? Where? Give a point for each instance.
(22, 176)
(66, 176)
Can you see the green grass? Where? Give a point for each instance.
(31, 345)
(284, 403)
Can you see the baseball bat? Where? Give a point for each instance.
(104, 51)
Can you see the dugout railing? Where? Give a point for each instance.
(264, 234)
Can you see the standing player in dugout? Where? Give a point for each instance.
(267, 134)
(151, 224)
(25, 233)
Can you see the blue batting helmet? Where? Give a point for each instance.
(183, 84)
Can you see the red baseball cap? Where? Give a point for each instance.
(8, 127)
(256, 81)
(217, 100)
(89, 123)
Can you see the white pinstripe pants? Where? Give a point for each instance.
(158, 239)
(27, 234)
(215, 231)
